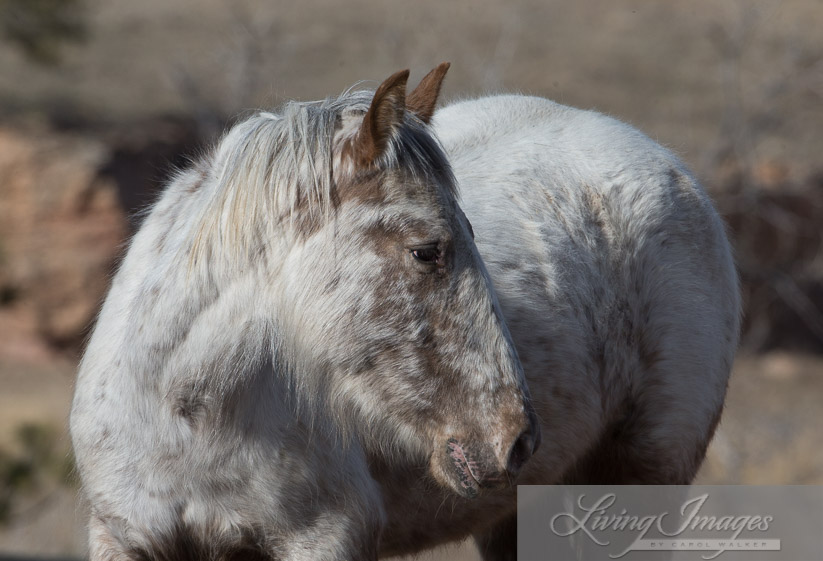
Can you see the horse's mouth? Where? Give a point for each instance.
(465, 468)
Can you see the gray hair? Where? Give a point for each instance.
(272, 164)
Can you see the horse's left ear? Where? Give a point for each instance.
(424, 97)
(384, 116)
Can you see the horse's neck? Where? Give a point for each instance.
(178, 324)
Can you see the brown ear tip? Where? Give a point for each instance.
(396, 80)
(401, 75)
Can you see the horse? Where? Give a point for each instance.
(304, 295)
(497, 261)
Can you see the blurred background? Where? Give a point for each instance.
(99, 100)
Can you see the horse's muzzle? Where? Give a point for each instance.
(476, 467)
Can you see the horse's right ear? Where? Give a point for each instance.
(384, 116)
(423, 99)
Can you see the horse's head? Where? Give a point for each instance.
(385, 298)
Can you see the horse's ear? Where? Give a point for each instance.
(382, 119)
(424, 97)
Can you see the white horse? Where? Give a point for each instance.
(306, 293)
(302, 355)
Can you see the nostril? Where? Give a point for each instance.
(520, 453)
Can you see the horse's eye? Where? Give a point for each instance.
(429, 254)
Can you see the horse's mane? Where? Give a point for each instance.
(272, 166)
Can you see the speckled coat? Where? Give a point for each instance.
(305, 297)
(323, 340)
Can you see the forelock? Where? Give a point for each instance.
(274, 168)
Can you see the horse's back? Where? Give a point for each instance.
(614, 274)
